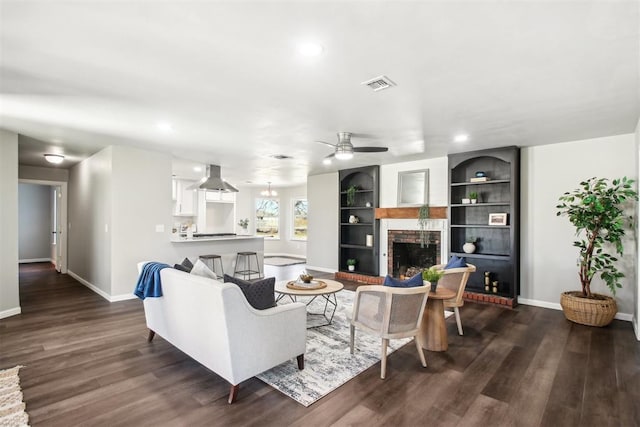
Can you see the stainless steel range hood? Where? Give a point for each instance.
(214, 182)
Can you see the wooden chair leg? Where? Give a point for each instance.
(420, 352)
(456, 311)
(300, 358)
(151, 335)
(383, 358)
(233, 393)
(352, 337)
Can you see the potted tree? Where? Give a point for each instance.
(351, 264)
(596, 210)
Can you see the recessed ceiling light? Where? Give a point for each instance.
(310, 49)
(54, 158)
(326, 161)
(164, 126)
(463, 137)
(197, 169)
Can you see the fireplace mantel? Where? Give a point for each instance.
(435, 212)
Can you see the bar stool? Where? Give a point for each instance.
(213, 258)
(245, 257)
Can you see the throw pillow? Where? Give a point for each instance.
(187, 264)
(201, 269)
(409, 283)
(455, 262)
(181, 268)
(260, 294)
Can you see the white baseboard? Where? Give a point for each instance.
(122, 297)
(634, 322)
(556, 306)
(29, 260)
(89, 285)
(323, 269)
(10, 312)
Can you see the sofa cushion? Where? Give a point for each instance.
(409, 283)
(455, 262)
(201, 269)
(260, 294)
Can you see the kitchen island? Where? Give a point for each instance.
(227, 246)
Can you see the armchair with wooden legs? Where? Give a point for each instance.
(390, 313)
(456, 280)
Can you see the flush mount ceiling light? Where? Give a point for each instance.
(269, 192)
(462, 137)
(310, 49)
(54, 158)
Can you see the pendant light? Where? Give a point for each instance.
(269, 192)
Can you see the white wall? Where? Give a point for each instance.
(35, 222)
(9, 290)
(43, 174)
(322, 239)
(548, 257)
(141, 200)
(636, 305)
(438, 181)
(285, 245)
(89, 220)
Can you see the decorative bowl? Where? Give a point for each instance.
(306, 278)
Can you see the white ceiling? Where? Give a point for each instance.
(79, 76)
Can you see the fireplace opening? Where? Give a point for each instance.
(410, 258)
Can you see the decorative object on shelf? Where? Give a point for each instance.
(480, 174)
(368, 204)
(466, 201)
(479, 179)
(473, 196)
(351, 264)
(497, 219)
(351, 195)
(596, 209)
(268, 192)
(469, 247)
(487, 281)
(494, 289)
(369, 240)
(353, 219)
(423, 219)
(432, 275)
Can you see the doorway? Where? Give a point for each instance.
(55, 231)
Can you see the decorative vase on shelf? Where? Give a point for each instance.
(434, 286)
(353, 219)
(466, 201)
(351, 267)
(474, 201)
(469, 248)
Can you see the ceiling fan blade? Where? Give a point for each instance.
(370, 149)
(326, 143)
(330, 156)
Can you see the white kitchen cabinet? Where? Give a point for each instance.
(186, 198)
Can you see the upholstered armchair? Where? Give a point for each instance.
(456, 280)
(390, 313)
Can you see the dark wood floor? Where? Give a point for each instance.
(87, 362)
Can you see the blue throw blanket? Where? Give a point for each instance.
(149, 284)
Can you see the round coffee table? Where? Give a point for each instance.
(328, 293)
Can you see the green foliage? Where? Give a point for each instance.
(423, 219)
(244, 223)
(471, 239)
(351, 261)
(473, 195)
(351, 195)
(596, 210)
(432, 274)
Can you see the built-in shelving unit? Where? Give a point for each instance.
(498, 246)
(353, 236)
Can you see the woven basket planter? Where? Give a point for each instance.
(597, 311)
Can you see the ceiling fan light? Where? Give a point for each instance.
(344, 155)
(54, 158)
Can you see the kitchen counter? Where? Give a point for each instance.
(225, 246)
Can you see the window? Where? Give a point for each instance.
(268, 218)
(300, 209)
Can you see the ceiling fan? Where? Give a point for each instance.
(344, 149)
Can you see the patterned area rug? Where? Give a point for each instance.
(280, 261)
(328, 363)
(12, 408)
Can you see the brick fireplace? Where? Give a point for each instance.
(405, 253)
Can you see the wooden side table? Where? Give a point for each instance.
(433, 331)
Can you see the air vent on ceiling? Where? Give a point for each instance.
(379, 83)
(281, 156)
